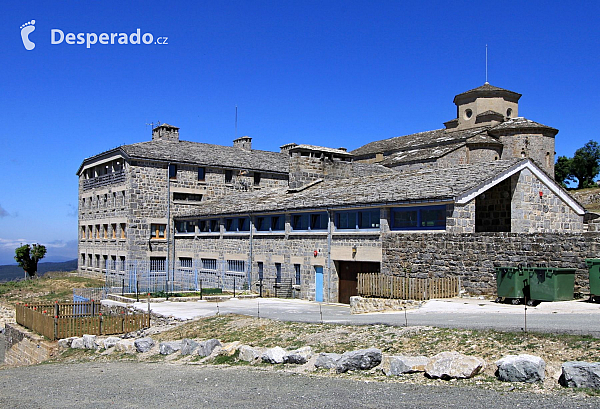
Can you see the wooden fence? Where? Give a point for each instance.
(404, 288)
(63, 320)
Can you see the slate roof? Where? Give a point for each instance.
(418, 186)
(418, 140)
(321, 149)
(203, 154)
(522, 123)
(488, 90)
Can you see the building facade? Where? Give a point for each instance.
(315, 217)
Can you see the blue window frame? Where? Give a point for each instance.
(309, 221)
(185, 226)
(419, 218)
(237, 224)
(358, 219)
(201, 173)
(209, 226)
(274, 222)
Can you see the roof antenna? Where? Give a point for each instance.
(236, 122)
(152, 125)
(486, 64)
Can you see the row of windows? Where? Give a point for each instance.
(103, 231)
(402, 218)
(173, 169)
(113, 263)
(104, 169)
(261, 272)
(106, 200)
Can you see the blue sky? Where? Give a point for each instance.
(332, 73)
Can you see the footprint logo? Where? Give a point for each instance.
(27, 29)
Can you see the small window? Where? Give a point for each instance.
(209, 226)
(113, 227)
(157, 231)
(419, 218)
(256, 179)
(270, 223)
(123, 230)
(509, 112)
(201, 174)
(172, 171)
(185, 226)
(228, 176)
(260, 270)
(278, 272)
(209, 264)
(237, 224)
(185, 263)
(310, 221)
(297, 271)
(187, 197)
(82, 233)
(236, 266)
(113, 263)
(105, 231)
(358, 219)
(158, 264)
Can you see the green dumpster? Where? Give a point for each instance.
(510, 282)
(594, 270)
(551, 284)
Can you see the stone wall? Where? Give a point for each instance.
(493, 208)
(472, 257)
(536, 146)
(23, 347)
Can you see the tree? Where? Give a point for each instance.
(28, 257)
(562, 170)
(585, 164)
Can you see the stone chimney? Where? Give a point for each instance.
(311, 163)
(165, 132)
(286, 148)
(244, 142)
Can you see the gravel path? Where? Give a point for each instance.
(137, 385)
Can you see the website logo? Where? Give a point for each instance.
(27, 29)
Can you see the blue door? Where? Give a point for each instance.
(319, 283)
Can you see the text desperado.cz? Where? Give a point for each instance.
(57, 36)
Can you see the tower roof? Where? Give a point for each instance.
(487, 91)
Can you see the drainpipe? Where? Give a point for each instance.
(168, 232)
(329, 221)
(251, 255)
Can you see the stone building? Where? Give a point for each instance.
(313, 216)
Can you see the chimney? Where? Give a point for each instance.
(244, 142)
(286, 148)
(309, 164)
(165, 132)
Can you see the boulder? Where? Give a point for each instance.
(579, 374)
(125, 345)
(111, 342)
(230, 348)
(205, 348)
(327, 360)
(143, 344)
(89, 342)
(400, 364)
(249, 354)
(188, 346)
(298, 356)
(77, 343)
(65, 342)
(360, 359)
(273, 355)
(453, 365)
(168, 348)
(521, 368)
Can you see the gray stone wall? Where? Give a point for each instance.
(478, 154)
(472, 257)
(533, 213)
(536, 146)
(460, 218)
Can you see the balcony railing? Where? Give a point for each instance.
(104, 180)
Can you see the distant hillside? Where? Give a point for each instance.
(12, 272)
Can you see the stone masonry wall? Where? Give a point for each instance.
(532, 213)
(23, 347)
(536, 146)
(472, 257)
